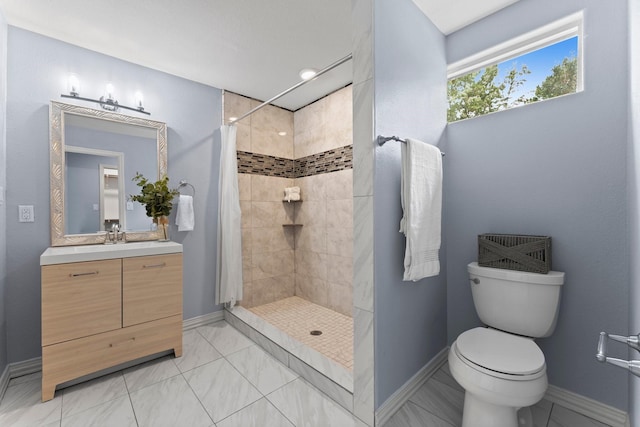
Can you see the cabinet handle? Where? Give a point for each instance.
(89, 273)
(155, 265)
(122, 342)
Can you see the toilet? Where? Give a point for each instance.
(500, 366)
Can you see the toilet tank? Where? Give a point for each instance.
(515, 301)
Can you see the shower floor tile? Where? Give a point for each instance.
(298, 317)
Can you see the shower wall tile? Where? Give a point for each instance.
(312, 188)
(312, 288)
(363, 380)
(362, 40)
(271, 214)
(339, 270)
(311, 264)
(268, 188)
(243, 137)
(363, 139)
(340, 298)
(340, 185)
(266, 125)
(312, 214)
(272, 264)
(244, 186)
(270, 239)
(363, 253)
(339, 212)
(312, 239)
(340, 240)
(236, 105)
(245, 211)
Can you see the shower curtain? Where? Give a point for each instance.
(229, 262)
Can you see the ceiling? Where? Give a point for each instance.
(252, 47)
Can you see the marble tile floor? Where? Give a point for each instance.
(223, 380)
(439, 403)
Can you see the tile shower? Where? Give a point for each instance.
(296, 253)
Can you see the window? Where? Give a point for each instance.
(543, 64)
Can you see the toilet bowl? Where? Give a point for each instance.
(493, 396)
(500, 367)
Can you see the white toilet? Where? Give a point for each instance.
(499, 366)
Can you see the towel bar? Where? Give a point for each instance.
(382, 139)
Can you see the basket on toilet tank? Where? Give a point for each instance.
(515, 252)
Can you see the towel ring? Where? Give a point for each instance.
(184, 183)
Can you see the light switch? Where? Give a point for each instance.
(25, 213)
(96, 207)
(129, 206)
(1, 196)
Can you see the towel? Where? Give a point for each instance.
(421, 198)
(184, 217)
(291, 194)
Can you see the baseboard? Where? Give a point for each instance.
(31, 366)
(400, 397)
(205, 319)
(588, 407)
(4, 381)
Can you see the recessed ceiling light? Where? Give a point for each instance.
(308, 73)
(282, 133)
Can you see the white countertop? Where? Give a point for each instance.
(66, 254)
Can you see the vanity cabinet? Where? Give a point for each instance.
(101, 313)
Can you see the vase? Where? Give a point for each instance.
(163, 227)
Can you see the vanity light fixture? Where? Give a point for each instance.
(107, 101)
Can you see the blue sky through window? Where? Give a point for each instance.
(540, 62)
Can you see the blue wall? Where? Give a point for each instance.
(554, 168)
(37, 71)
(634, 197)
(410, 101)
(3, 183)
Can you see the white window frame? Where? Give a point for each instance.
(555, 32)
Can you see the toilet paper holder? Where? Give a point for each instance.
(632, 341)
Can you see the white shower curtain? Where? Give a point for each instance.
(229, 262)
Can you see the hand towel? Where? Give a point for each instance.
(184, 217)
(421, 198)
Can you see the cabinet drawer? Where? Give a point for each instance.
(151, 288)
(72, 359)
(80, 299)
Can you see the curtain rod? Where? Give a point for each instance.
(292, 88)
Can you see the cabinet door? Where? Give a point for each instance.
(151, 288)
(80, 299)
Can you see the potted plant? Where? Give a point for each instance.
(156, 198)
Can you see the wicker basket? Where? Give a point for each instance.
(513, 252)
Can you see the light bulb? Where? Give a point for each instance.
(74, 85)
(139, 100)
(108, 92)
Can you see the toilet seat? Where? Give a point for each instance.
(501, 354)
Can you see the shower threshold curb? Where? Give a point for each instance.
(328, 376)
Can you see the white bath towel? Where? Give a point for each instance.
(184, 217)
(421, 197)
(291, 194)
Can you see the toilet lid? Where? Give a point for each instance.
(500, 351)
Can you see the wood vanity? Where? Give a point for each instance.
(104, 305)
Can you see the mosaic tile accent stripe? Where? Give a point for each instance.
(325, 162)
(328, 161)
(260, 164)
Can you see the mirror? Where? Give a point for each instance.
(94, 156)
